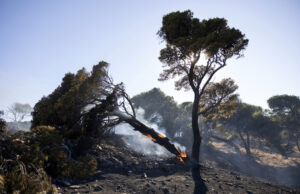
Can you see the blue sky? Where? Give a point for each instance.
(40, 41)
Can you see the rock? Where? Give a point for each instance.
(116, 161)
(74, 187)
(99, 147)
(145, 175)
(238, 178)
(129, 172)
(98, 188)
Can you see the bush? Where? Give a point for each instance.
(55, 157)
(17, 182)
(3, 126)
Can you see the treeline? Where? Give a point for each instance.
(279, 125)
(68, 124)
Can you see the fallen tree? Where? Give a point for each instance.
(153, 135)
(117, 108)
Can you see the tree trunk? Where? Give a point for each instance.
(247, 146)
(298, 146)
(196, 131)
(200, 187)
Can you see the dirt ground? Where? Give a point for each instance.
(121, 170)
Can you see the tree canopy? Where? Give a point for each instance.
(65, 106)
(187, 39)
(157, 104)
(285, 110)
(18, 111)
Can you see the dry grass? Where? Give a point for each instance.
(263, 157)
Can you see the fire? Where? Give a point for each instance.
(180, 159)
(182, 155)
(148, 135)
(161, 136)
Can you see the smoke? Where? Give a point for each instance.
(141, 143)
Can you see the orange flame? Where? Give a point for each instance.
(182, 155)
(180, 159)
(161, 136)
(148, 135)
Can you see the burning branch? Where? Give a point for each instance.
(153, 135)
(123, 111)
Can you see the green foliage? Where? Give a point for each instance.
(64, 108)
(28, 183)
(62, 167)
(49, 151)
(191, 35)
(66, 123)
(21, 168)
(165, 112)
(156, 104)
(84, 167)
(219, 100)
(284, 104)
(248, 119)
(188, 37)
(285, 110)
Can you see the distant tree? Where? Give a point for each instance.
(285, 109)
(243, 122)
(18, 112)
(187, 39)
(160, 109)
(164, 111)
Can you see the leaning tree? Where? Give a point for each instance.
(187, 39)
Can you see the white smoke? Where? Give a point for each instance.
(139, 142)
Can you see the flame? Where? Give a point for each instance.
(161, 136)
(148, 135)
(180, 159)
(182, 155)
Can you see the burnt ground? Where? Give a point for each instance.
(121, 170)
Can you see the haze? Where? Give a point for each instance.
(40, 41)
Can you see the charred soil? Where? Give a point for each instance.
(121, 170)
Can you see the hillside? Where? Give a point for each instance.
(122, 170)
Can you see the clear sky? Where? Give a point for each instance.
(40, 41)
